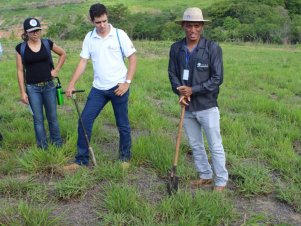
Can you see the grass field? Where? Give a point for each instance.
(259, 102)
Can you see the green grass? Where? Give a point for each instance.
(28, 214)
(27, 189)
(74, 186)
(124, 205)
(251, 178)
(204, 208)
(35, 160)
(260, 121)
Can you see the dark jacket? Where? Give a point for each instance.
(205, 67)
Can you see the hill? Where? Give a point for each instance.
(13, 13)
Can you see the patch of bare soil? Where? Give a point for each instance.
(297, 147)
(79, 212)
(276, 212)
(16, 30)
(148, 184)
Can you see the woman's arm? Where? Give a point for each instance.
(21, 80)
(62, 57)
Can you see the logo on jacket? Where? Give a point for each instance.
(200, 65)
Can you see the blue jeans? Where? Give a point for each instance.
(96, 101)
(40, 96)
(194, 123)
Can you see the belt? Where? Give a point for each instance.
(42, 83)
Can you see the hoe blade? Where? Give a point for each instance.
(172, 185)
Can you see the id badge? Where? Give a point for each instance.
(186, 74)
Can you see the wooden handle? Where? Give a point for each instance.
(179, 136)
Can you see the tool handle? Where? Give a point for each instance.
(179, 136)
(85, 132)
(75, 91)
(58, 80)
(92, 156)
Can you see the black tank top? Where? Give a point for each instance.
(37, 64)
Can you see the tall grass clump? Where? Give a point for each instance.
(74, 186)
(203, 208)
(111, 171)
(251, 178)
(37, 160)
(28, 189)
(28, 214)
(123, 205)
(8, 163)
(155, 151)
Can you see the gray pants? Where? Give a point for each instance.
(194, 123)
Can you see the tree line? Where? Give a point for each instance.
(267, 21)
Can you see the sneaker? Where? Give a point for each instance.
(71, 167)
(125, 165)
(200, 182)
(219, 188)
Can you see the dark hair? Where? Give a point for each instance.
(24, 36)
(97, 10)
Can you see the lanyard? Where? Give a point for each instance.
(187, 56)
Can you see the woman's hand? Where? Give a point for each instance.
(54, 73)
(24, 98)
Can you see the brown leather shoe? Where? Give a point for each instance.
(219, 188)
(200, 182)
(71, 167)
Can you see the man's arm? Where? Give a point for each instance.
(172, 72)
(132, 66)
(174, 79)
(80, 69)
(123, 87)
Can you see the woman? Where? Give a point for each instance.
(35, 74)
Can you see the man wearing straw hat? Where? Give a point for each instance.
(195, 72)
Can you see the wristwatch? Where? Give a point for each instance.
(128, 81)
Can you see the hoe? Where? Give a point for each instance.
(81, 121)
(172, 184)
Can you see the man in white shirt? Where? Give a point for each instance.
(106, 46)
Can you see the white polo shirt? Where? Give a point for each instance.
(108, 65)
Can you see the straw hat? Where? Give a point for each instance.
(192, 15)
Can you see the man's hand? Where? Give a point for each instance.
(185, 91)
(184, 100)
(122, 89)
(69, 90)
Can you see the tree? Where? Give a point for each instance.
(293, 6)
